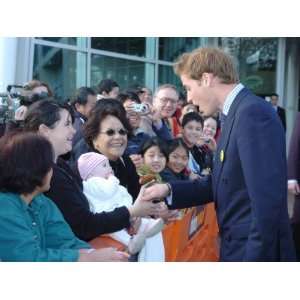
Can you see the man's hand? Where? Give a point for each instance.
(156, 191)
(142, 208)
(156, 118)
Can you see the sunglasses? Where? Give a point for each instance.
(111, 132)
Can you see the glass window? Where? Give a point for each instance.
(171, 47)
(75, 41)
(167, 75)
(64, 70)
(124, 72)
(126, 45)
(256, 59)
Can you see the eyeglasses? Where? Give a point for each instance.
(111, 132)
(166, 100)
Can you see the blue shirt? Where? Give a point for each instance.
(35, 232)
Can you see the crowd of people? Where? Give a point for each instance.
(71, 172)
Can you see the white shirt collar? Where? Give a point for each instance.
(230, 98)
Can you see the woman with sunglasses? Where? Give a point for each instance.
(106, 132)
(54, 121)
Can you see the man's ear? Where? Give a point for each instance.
(207, 79)
(43, 129)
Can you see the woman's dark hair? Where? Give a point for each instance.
(25, 160)
(44, 112)
(191, 116)
(174, 144)
(126, 95)
(154, 141)
(102, 109)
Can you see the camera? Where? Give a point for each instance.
(142, 108)
(9, 102)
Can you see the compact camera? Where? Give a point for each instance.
(142, 108)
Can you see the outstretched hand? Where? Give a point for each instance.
(155, 191)
(142, 207)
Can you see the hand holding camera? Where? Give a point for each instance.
(141, 108)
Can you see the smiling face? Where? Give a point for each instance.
(192, 132)
(61, 135)
(199, 92)
(133, 117)
(210, 127)
(112, 146)
(178, 160)
(155, 159)
(165, 102)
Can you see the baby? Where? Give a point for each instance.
(104, 193)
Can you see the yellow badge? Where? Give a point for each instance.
(222, 155)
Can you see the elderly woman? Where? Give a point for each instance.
(107, 131)
(54, 121)
(31, 226)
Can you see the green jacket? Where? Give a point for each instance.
(35, 232)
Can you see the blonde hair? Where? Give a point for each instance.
(207, 60)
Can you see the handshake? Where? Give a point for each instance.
(150, 194)
(156, 191)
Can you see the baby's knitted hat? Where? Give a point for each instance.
(88, 162)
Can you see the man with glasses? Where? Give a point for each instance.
(165, 101)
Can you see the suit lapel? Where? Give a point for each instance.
(221, 153)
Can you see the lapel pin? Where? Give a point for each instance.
(222, 155)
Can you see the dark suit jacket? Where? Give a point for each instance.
(281, 114)
(248, 185)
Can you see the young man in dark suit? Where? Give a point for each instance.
(249, 180)
(280, 111)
